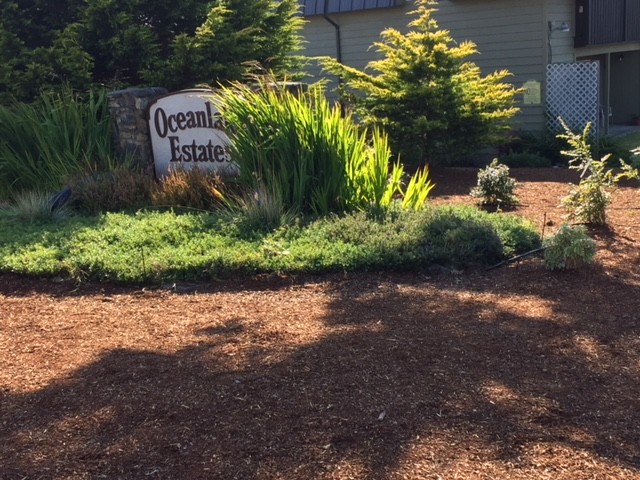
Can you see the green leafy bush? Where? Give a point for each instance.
(569, 248)
(613, 147)
(540, 144)
(318, 160)
(157, 246)
(460, 241)
(495, 186)
(525, 159)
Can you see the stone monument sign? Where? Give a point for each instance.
(186, 131)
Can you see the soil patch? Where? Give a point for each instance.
(515, 373)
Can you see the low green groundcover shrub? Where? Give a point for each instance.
(158, 246)
(569, 248)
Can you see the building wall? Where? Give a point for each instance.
(560, 44)
(620, 78)
(510, 34)
(625, 86)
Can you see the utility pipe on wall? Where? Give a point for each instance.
(338, 35)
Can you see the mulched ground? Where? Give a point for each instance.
(515, 373)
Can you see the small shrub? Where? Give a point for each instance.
(588, 202)
(495, 186)
(118, 189)
(34, 206)
(455, 240)
(195, 188)
(525, 159)
(570, 248)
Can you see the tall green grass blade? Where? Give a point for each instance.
(44, 144)
(322, 161)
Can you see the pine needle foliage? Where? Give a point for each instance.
(434, 103)
(237, 38)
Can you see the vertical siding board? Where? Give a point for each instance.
(607, 21)
(632, 25)
(614, 21)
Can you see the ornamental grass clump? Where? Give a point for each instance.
(121, 188)
(317, 159)
(195, 188)
(495, 186)
(34, 207)
(60, 136)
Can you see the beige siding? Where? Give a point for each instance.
(510, 34)
(358, 32)
(561, 43)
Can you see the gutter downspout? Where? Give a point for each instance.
(338, 49)
(338, 35)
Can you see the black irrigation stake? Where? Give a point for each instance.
(517, 257)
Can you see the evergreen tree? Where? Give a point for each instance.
(34, 51)
(126, 38)
(433, 102)
(118, 43)
(236, 35)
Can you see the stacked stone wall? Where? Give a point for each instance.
(128, 109)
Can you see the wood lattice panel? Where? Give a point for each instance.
(573, 94)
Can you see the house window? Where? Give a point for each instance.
(321, 7)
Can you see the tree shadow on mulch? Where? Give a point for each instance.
(409, 361)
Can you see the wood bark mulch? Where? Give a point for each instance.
(516, 373)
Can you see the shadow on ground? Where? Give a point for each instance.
(412, 376)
